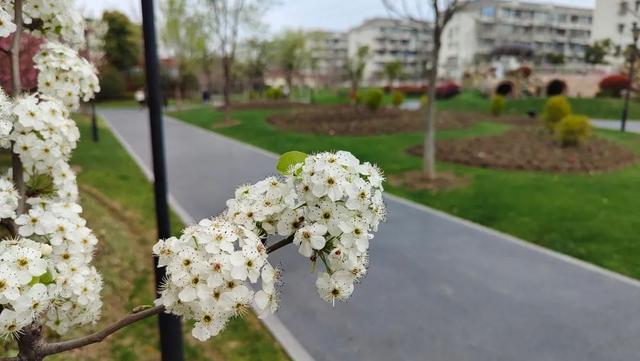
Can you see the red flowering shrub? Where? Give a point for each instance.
(525, 71)
(613, 85)
(444, 90)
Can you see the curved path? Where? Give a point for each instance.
(438, 289)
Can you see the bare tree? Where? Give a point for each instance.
(183, 34)
(441, 12)
(354, 69)
(229, 18)
(290, 54)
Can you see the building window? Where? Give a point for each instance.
(624, 7)
(489, 11)
(637, 6)
(620, 28)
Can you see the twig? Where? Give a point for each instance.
(276, 246)
(58, 347)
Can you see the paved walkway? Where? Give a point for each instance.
(633, 126)
(438, 289)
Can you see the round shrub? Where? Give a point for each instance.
(423, 101)
(497, 105)
(397, 98)
(572, 130)
(112, 84)
(556, 108)
(373, 99)
(274, 93)
(613, 85)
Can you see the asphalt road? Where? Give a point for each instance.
(632, 126)
(438, 288)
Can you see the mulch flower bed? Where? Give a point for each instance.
(417, 180)
(353, 120)
(265, 104)
(532, 148)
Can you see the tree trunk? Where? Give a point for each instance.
(18, 178)
(226, 87)
(429, 149)
(177, 91)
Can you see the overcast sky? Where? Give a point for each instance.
(325, 14)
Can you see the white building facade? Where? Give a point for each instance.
(613, 20)
(391, 40)
(486, 30)
(328, 56)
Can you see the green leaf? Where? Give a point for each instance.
(289, 159)
(46, 278)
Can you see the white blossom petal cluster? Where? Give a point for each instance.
(258, 207)
(342, 205)
(8, 197)
(22, 296)
(7, 26)
(65, 75)
(6, 119)
(331, 205)
(75, 284)
(44, 137)
(60, 19)
(208, 269)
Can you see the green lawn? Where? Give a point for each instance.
(118, 204)
(594, 218)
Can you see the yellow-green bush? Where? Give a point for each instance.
(274, 93)
(373, 99)
(572, 130)
(423, 101)
(555, 109)
(497, 105)
(397, 98)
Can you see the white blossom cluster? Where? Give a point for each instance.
(341, 203)
(44, 137)
(7, 26)
(6, 119)
(208, 267)
(329, 205)
(65, 75)
(22, 299)
(61, 20)
(76, 285)
(8, 197)
(45, 269)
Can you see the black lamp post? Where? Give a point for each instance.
(94, 121)
(171, 344)
(632, 61)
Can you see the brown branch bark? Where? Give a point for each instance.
(18, 177)
(276, 246)
(58, 347)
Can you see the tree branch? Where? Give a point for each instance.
(18, 178)
(58, 347)
(276, 246)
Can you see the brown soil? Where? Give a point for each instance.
(417, 180)
(351, 120)
(265, 104)
(532, 148)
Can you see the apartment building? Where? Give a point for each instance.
(613, 20)
(329, 55)
(392, 40)
(489, 29)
